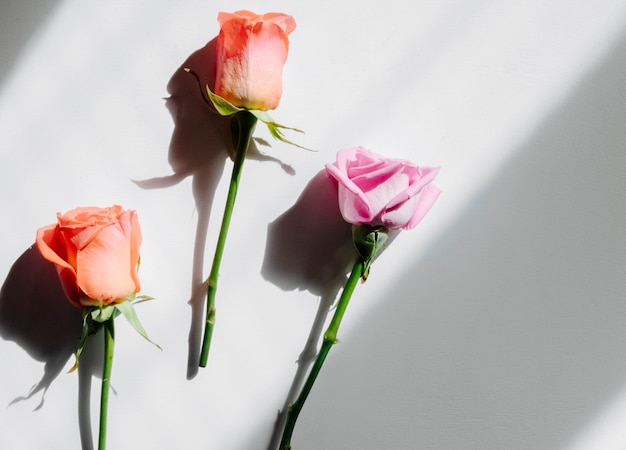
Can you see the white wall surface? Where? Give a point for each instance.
(498, 323)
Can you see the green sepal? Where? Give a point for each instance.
(369, 241)
(100, 314)
(226, 108)
(221, 105)
(82, 342)
(128, 311)
(275, 128)
(141, 298)
(103, 313)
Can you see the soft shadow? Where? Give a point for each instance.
(200, 145)
(509, 332)
(19, 23)
(309, 244)
(35, 314)
(309, 247)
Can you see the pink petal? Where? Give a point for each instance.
(427, 199)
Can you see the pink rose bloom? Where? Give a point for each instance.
(96, 254)
(374, 190)
(251, 52)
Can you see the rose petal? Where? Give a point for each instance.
(376, 190)
(353, 203)
(52, 247)
(103, 268)
(284, 21)
(251, 53)
(422, 177)
(427, 199)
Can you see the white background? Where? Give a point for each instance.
(498, 323)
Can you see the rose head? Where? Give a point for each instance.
(96, 253)
(251, 52)
(378, 191)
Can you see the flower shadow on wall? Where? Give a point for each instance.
(309, 247)
(200, 144)
(35, 314)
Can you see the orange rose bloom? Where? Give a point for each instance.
(96, 254)
(251, 52)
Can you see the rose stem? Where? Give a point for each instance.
(109, 343)
(330, 338)
(245, 122)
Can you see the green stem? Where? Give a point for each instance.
(109, 343)
(330, 338)
(245, 122)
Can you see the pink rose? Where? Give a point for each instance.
(374, 190)
(251, 53)
(96, 253)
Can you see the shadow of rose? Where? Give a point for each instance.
(201, 143)
(35, 314)
(310, 244)
(309, 247)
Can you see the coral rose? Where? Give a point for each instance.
(378, 191)
(96, 254)
(251, 52)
